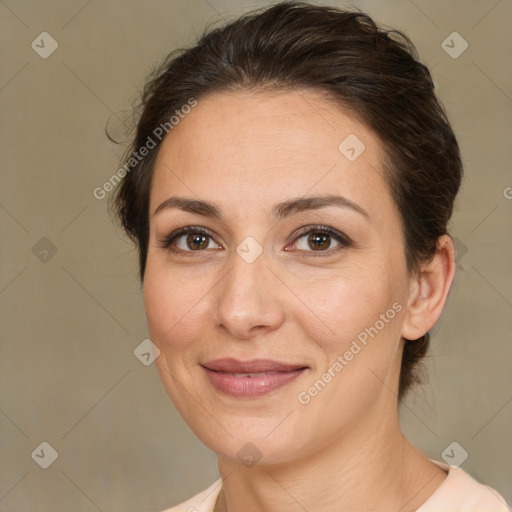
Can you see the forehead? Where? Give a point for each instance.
(265, 146)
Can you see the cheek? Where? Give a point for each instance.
(175, 315)
(360, 331)
(344, 303)
(359, 337)
(173, 302)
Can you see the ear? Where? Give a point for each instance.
(429, 290)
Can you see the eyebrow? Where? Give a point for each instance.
(278, 212)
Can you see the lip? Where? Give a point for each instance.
(260, 376)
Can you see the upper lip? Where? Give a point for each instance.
(252, 366)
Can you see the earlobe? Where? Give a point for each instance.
(429, 291)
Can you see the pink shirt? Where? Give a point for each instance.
(459, 492)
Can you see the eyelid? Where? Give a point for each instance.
(166, 241)
(321, 228)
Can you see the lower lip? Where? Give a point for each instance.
(247, 387)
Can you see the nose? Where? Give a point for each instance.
(246, 300)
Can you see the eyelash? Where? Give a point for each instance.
(344, 241)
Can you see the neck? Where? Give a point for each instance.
(371, 468)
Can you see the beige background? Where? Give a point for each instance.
(71, 320)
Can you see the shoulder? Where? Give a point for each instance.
(460, 492)
(201, 502)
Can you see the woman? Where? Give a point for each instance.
(289, 190)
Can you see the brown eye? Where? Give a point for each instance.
(189, 239)
(319, 241)
(197, 242)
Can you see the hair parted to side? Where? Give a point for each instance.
(372, 73)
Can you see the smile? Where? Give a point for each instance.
(250, 379)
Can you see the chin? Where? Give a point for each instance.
(251, 441)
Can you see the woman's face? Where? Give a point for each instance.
(271, 330)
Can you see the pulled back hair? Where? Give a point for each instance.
(372, 73)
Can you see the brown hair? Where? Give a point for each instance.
(372, 72)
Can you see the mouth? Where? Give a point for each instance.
(249, 379)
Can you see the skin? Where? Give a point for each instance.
(344, 450)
